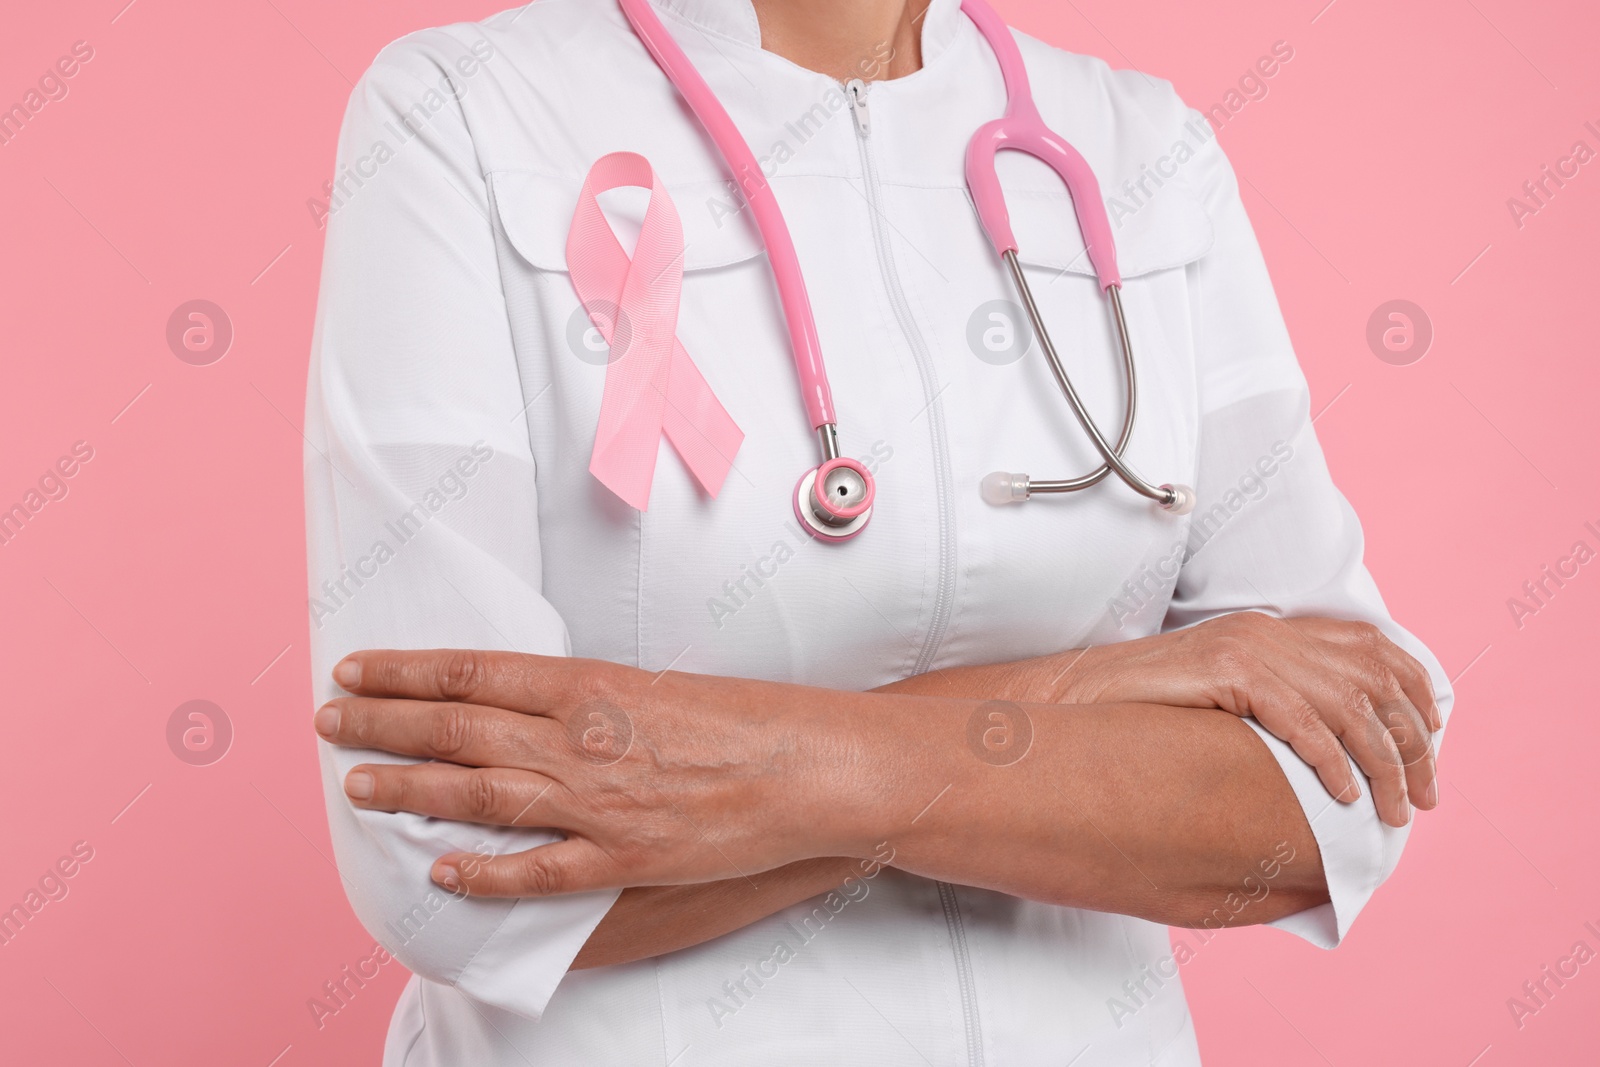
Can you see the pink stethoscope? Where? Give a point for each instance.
(833, 500)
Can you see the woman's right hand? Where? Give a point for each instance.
(1325, 686)
(1322, 685)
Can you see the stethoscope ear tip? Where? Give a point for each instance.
(1180, 499)
(1002, 487)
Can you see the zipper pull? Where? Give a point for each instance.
(856, 92)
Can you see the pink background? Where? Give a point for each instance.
(178, 167)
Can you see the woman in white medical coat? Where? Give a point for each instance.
(932, 795)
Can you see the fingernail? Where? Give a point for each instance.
(447, 876)
(326, 720)
(1433, 793)
(348, 673)
(1405, 810)
(358, 785)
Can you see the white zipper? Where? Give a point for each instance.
(969, 992)
(856, 92)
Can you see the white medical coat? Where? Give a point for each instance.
(453, 397)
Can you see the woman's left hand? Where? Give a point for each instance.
(654, 780)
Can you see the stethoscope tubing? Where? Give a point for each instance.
(1163, 495)
(1130, 410)
(757, 191)
(1020, 129)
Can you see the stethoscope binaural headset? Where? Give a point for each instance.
(834, 499)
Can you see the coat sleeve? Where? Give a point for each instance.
(1271, 532)
(421, 504)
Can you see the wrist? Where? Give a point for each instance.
(852, 771)
(1077, 677)
(905, 756)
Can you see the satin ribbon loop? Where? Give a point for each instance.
(652, 385)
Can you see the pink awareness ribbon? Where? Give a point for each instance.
(652, 386)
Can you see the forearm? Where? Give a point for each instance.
(1041, 680)
(1121, 779)
(648, 921)
(1143, 810)
(1138, 809)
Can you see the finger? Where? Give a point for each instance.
(569, 866)
(1414, 680)
(1360, 654)
(1414, 677)
(512, 680)
(1406, 725)
(460, 733)
(486, 796)
(1353, 717)
(1249, 687)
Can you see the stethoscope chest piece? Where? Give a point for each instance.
(834, 501)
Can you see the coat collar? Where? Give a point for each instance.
(736, 21)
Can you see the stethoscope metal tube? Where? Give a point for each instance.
(1004, 488)
(1040, 331)
(828, 437)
